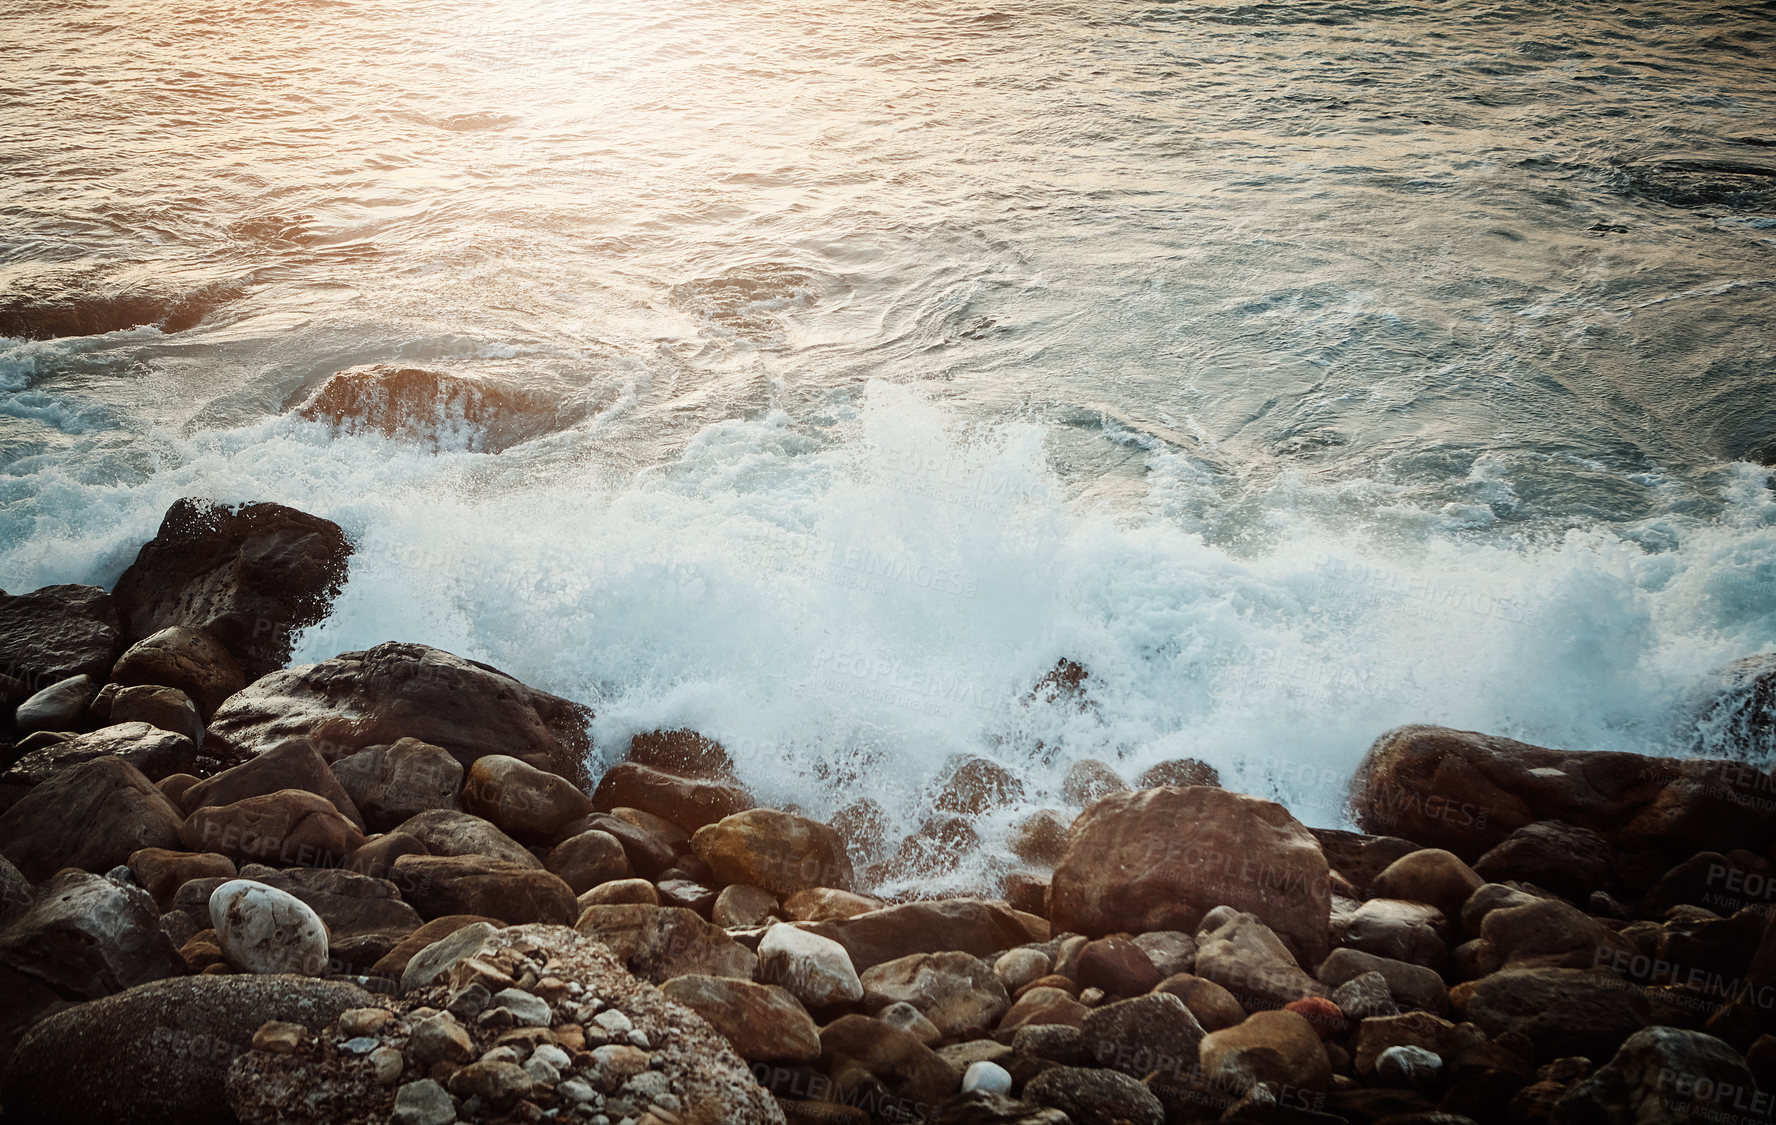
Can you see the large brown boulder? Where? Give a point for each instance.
(288, 828)
(157, 753)
(687, 802)
(662, 942)
(391, 784)
(970, 925)
(57, 632)
(778, 851)
(86, 936)
(398, 690)
(525, 802)
(764, 1022)
(184, 658)
(437, 885)
(292, 765)
(1281, 1049)
(1467, 792)
(1252, 962)
(158, 1054)
(957, 992)
(866, 1056)
(1159, 859)
(118, 812)
(448, 832)
(1585, 1012)
(251, 576)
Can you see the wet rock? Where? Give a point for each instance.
(1277, 1048)
(58, 707)
(1585, 1012)
(621, 892)
(1249, 960)
(163, 708)
(1411, 1068)
(689, 803)
(1120, 968)
(1463, 1048)
(827, 904)
(287, 828)
(291, 765)
(445, 832)
(1404, 931)
(523, 801)
(1365, 996)
(1549, 853)
(935, 926)
(155, 752)
(1018, 967)
(682, 752)
(119, 810)
(1547, 934)
(853, 1047)
(1429, 875)
(955, 991)
(936, 850)
(1178, 772)
(57, 632)
(774, 850)
(437, 885)
(971, 785)
(1468, 792)
(1327, 1018)
(1095, 1097)
(1212, 1006)
(1141, 1035)
(1089, 779)
(365, 916)
(376, 858)
(187, 659)
(1171, 951)
(816, 969)
(435, 948)
(1043, 1005)
(763, 1022)
(158, 1053)
(84, 936)
(264, 930)
(740, 905)
(1664, 1075)
(432, 408)
(392, 784)
(912, 1021)
(1160, 859)
(658, 943)
(651, 844)
(1491, 897)
(162, 871)
(399, 690)
(1041, 837)
(251, 576)
(589, 859)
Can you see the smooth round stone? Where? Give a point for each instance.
(988, 1077)
(1411, 1067)
(264, 930)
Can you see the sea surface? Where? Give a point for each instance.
(1300, 369)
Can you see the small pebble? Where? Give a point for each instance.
(638, 1038)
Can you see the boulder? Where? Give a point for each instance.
(934, 926)
(762, 1021)
(1400, 930)
(264, 930)
(1041, 837)
(1170, 951)
(1179, 772)
(187, 659)
(1360, 857)
(1160, 859)
(1585, 1012)
(1212, 1006)
(1412, 986)
(57, 632)
(435, 948)
(393, 784)
(434, 409)
(957, 992)
(292, 765)
(59, 707)
(1741, 721)
(1277, 1048)
(740, 906)
(940, 846)
(1249, 960)
(163, 708)
(775, 850)
(155, 752)
(1666, 1076)
(652, 844)
(620, 892)
(589, 859)
(85, 936)
(1464, 1048)
(360, 911)
(658, 943)
(912, 1021)
(827, 904)
(162, 871)
(398, 690)
(120, 812)
(816, 969)
(682, 752)
(1088, 779)
(1565, 859)
(437, 885)
(291, 827)
(445, 832)
(1365, 996)
(1141, 1035)
(1428, 875)
(687, 802)
(376, 858)
(971, 785)
(865, 1056)
(1017, 967)
(525, 802)
(1468, 792)
(1043, 1005)
(1548, 934)
(158, 1054)
(251, 576)
(1120, 968)
(1095, 1097)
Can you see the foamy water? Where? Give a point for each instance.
(1262, 359)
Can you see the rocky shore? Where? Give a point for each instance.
(386, 887)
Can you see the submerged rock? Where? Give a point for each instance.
(431, 407)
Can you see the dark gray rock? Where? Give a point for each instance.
(56, 632)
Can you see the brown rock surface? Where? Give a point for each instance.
(775, 850)
(120, 812)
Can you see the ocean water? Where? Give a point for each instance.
(1300, 369)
